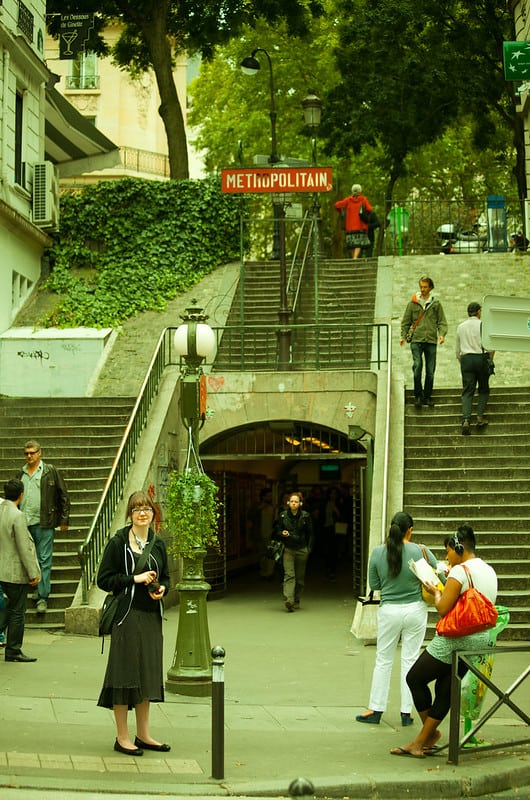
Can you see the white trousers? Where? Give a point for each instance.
(407, 621)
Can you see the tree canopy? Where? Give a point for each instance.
(155, 31)
(410, 68)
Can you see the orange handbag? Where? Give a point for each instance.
(473, 612)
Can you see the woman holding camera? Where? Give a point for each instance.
(135, 566)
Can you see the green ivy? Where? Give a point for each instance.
(131, 245)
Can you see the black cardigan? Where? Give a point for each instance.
(117, 566)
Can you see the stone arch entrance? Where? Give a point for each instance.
(284, 455)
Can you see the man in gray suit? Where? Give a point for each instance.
(19, 569)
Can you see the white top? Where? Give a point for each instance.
(468, 337)
(483, 577)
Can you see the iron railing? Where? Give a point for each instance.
(423, 218)
(313, 346)
(332, 347)
(457, 746)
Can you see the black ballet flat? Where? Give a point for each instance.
(127, 751)
(160, 748)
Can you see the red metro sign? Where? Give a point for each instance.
(282, 179)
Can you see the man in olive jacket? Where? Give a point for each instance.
(46, 505)
(424, 326)
(19, 569)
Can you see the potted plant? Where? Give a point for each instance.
(192, 510)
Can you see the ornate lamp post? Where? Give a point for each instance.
(191, 671)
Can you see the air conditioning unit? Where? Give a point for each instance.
(45, 195)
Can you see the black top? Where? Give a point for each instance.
(300, 527)
(117, 566)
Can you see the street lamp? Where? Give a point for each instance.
(191, 670)
(251, 66)
(312, 106)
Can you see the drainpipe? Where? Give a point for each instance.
(4, 107)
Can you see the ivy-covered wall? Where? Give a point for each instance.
(130, 245)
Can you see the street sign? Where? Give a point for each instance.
(516, 61)
(506, 323)
(288, 179)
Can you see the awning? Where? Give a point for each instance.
(72, 142)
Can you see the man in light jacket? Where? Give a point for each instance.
(19, 569)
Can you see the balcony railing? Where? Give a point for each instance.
(25, 22)
(82, 82)
(145, 161)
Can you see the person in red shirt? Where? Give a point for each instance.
(356, 229)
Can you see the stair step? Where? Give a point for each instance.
(356, 289)
(483, 479)
(80, 436)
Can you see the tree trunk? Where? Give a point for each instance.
(159, 46)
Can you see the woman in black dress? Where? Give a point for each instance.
(133, 678)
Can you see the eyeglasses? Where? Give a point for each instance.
(143, 510)
(31, 452)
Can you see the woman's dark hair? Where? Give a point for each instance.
(400, 524)
(463, 539)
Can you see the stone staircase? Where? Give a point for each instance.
(482, 479)
(346, 296)
(80, 437)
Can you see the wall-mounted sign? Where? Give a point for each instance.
(516, 61)
(75, 31)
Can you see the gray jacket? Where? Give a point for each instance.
(18, 559)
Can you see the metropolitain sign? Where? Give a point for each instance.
(281, 179)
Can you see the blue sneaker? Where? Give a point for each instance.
(2, 639)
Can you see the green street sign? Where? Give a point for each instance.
(516, 61)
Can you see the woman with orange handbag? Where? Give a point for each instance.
(434, 664)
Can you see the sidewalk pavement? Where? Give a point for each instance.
(293, 685)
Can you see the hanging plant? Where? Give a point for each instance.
(192, 509)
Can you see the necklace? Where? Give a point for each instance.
(139, 542)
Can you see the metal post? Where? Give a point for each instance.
(218, 712)
(454, 719)
(284, 334)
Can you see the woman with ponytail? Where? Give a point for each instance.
(402, 615)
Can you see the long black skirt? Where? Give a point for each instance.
(134, 667)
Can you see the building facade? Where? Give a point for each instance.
(123, 108)
(41, 136)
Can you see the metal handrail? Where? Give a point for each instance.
(92, 547)
(386, 442)
(300, 260)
